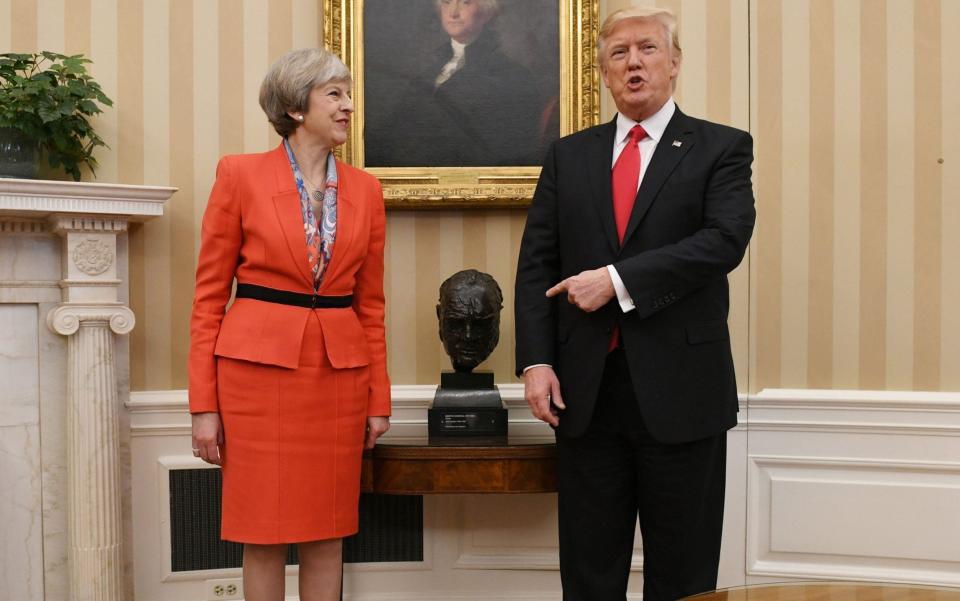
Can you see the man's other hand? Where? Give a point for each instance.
(588, 290)
(541, 389)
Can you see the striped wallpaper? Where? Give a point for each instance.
(850, 277)
(853, 278)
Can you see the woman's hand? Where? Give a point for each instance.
(375, 427)
(207, 437)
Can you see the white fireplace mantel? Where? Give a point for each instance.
(36, 198)
(64, 515)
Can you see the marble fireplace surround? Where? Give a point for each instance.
(64, 452)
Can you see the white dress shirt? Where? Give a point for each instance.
(654, 125)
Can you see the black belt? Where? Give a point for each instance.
(296, 299)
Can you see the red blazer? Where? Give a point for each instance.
(253, 230)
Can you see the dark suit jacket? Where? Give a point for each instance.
(690, 226)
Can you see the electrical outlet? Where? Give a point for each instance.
(226, 589)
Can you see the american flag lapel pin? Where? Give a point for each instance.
(677, 143)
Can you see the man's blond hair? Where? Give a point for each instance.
(663, 16)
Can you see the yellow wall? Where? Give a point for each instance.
(851, 272)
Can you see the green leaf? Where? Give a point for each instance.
(48, 115)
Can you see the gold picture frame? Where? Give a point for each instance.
(470, 187)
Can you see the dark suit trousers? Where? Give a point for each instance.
(615, 473)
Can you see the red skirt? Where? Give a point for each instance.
(293, 440)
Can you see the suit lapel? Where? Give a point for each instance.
(286, 203)
(599, 157)
(665, 159)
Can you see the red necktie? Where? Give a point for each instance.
(626, 174)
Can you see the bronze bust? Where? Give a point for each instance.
(468, 403)
(469, 314)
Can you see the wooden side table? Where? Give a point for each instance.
(466, 465)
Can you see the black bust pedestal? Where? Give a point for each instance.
(467, 404)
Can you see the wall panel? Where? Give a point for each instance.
(818, 518)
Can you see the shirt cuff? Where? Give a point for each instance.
(626, 302)
(536, 365)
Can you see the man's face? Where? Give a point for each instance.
(463, 20)
(638, 67)
(469, 326)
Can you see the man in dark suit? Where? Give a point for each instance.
(621, 316)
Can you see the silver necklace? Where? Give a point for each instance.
(317, 192)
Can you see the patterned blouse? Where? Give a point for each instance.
(320, 230)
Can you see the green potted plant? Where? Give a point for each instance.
(46, 101)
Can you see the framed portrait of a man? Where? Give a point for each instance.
(456, 101)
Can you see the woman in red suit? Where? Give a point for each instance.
(290, 383)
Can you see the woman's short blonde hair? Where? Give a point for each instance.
(289, 81)
(663, 16)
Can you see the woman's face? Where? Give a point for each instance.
(328, 116)
(463, 20)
